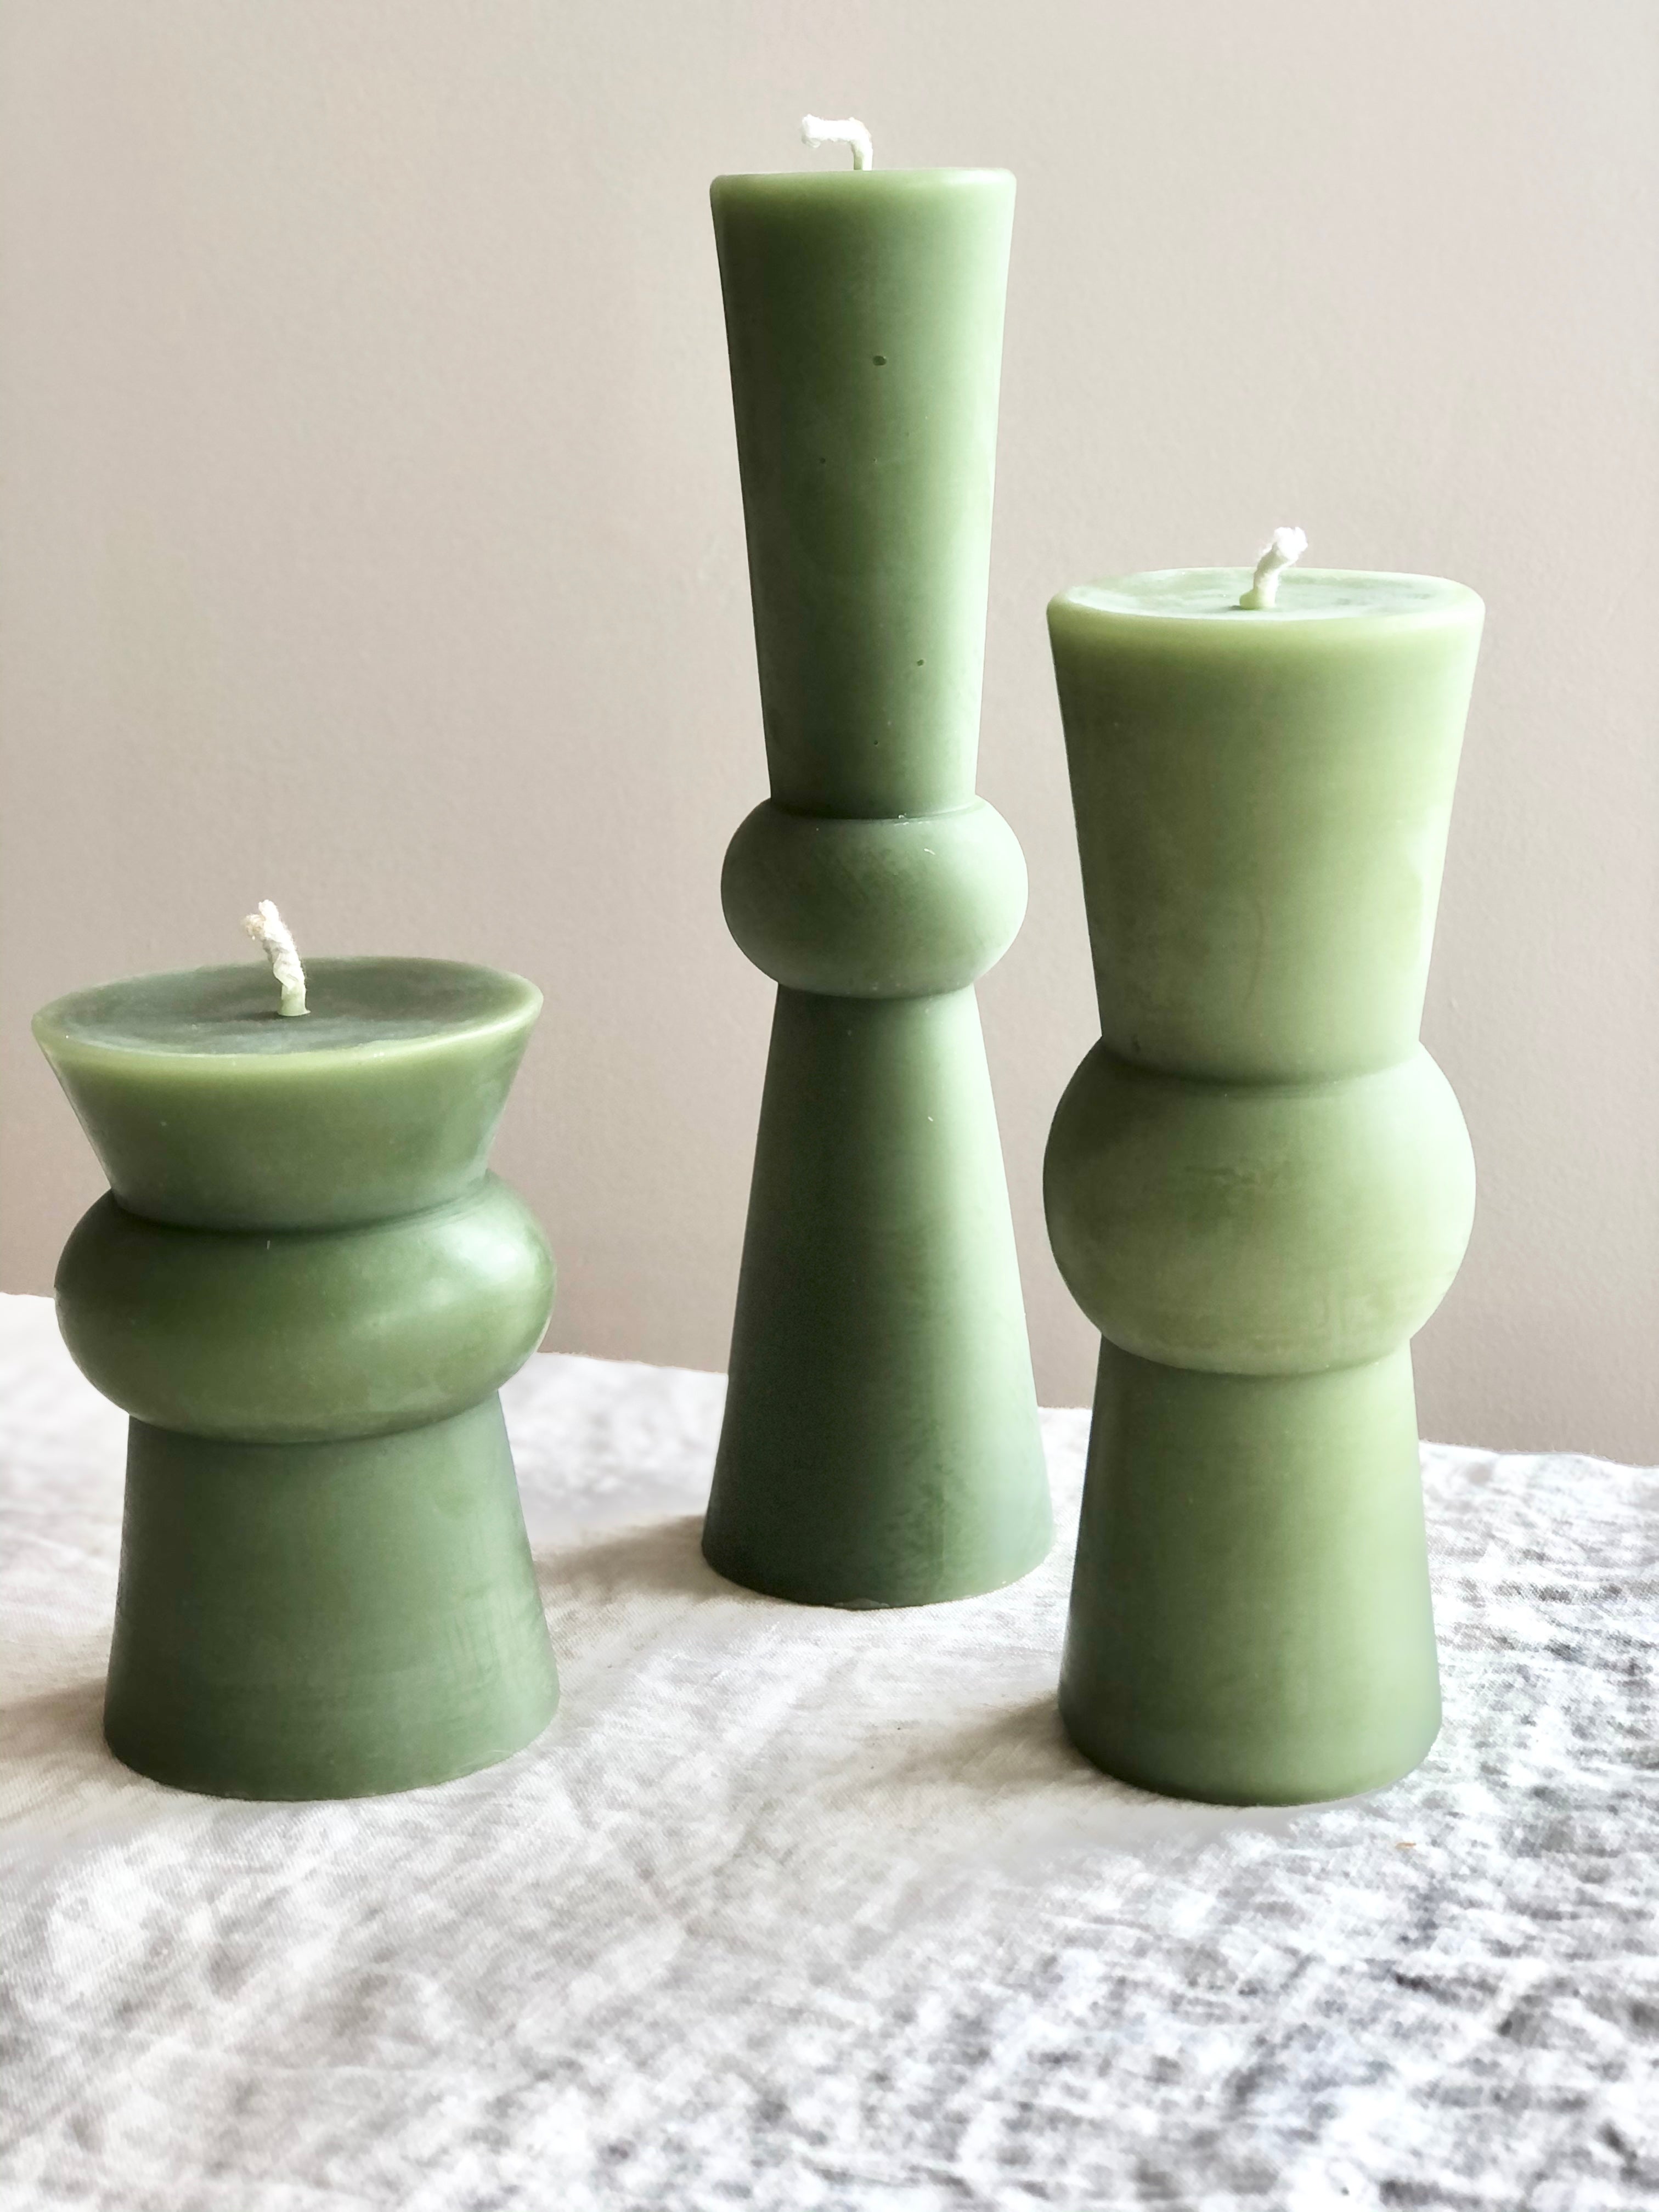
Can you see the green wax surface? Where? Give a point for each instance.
(864, 315)
(1258, 1184)
(306, 1289)
(880, 1443)
(325, 1620)
(1262, 799)
(1304, 595)
(307, 1334)
(209, 1109)
(880, 1446)
(1250, 1619)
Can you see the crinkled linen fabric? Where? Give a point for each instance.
(803, 1909)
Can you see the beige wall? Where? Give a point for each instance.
(371, 540)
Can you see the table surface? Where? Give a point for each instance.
(793, 1908)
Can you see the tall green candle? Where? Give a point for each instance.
(306, 1290)
(881, 1444)
(1258, 1184)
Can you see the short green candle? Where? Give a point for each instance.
(1258, 1184)
(306, 1290)
(880, 1445)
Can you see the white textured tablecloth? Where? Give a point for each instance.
(791, 1908)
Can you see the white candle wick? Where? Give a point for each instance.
(848, 132)
(273, 934)
(1283, 549)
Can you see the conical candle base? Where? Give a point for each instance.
(881, 1444)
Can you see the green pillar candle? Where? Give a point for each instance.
(306, 1290)
(1258, 1184)
(880, 1445)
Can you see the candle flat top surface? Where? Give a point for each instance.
(1304, 595)
(878, 183)
(353, 1005)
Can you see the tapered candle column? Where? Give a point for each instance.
(307, 1291)
(1258, 1184)
(881, 1444)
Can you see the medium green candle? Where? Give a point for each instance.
(881, 1444)
(1258, 1184)
(306, 1290)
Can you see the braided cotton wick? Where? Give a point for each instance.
(271, 933)
(1283, 549)
(849, 132)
